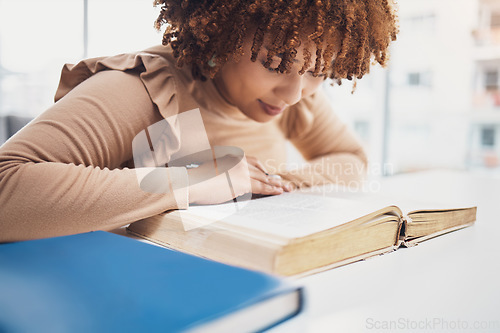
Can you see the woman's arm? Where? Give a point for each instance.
(63, 173)
(332, 151)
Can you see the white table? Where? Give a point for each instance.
(448, 284)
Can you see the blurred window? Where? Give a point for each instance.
(491, 80)
(414, 79)
(362, 128)
(488, 136)
(38, 37)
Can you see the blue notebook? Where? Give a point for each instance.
(102, 282)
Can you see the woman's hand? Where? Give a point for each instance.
(264, 183)
(230, 177)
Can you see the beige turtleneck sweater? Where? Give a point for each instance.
(71, 169)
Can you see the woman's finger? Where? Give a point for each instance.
(264, 182)
(255, 162)
(258, 171)
(257, 174)
(266, 189)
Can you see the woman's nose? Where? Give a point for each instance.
(290, 88)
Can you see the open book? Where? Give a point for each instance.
(299, 233)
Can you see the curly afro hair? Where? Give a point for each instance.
(345, 34)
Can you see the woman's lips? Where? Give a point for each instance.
(271, 109)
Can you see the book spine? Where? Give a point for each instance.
(403, 227)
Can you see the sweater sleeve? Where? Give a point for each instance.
(331, 149)
(65, 172)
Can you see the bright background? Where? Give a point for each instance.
(436, 106)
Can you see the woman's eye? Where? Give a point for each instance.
(320, 75)
(270, 69)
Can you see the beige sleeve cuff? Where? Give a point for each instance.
(180, 185)
(172, 181)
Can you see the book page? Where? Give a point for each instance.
(290, 214)
(403, 200)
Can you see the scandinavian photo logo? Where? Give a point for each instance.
(165, 150)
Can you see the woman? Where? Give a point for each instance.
(252, 69)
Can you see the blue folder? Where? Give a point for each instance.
(102, 282)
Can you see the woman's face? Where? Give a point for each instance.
(262, 93)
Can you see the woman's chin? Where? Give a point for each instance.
(260, 117)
